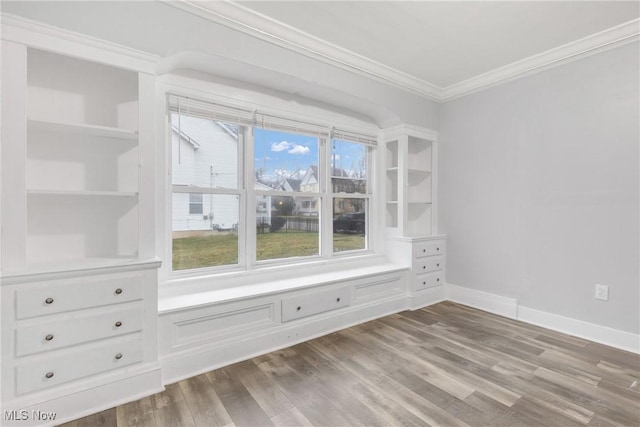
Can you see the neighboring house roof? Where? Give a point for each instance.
(290, 184)
(186, 137)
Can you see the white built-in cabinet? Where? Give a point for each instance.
(79, 281)
(410, 177)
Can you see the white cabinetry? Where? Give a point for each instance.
(79, 281)
(410, 159)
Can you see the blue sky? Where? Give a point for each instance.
(282, 154)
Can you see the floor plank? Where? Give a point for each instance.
(446, 364)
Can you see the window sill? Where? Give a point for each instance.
(180, 294)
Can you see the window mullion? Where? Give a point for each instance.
(326, 214)
(250, 205)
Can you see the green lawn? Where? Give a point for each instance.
(195, 252)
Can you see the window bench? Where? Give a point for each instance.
(202, 329)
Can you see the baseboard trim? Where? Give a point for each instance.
(424, 298)
(496, 304)
(510, 308)
(590, 331)
(89, 401)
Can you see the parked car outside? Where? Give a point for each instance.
(349, 223)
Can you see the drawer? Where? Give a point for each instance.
(74, 294)
(305, 305)
(42, 373)
(424, 281)
(428, 248)
(428, 264)
(78, 329)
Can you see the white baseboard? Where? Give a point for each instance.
(426, 297)
(87, 401)
(510, 308)
(503, 306)
(590, 331)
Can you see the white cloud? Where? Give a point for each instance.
(289, 147)
(299, 149)
(281, 146)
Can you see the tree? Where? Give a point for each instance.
(284, 206)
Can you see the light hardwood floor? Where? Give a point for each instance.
(446, 364)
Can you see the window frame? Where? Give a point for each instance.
(247, 194)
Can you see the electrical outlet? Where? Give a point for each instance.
(602, 292)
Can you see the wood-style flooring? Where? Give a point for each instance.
(446, 365)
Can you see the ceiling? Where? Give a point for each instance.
(438, 48)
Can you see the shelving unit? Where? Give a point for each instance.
(77, 175)
(79, 281)
(410, 189)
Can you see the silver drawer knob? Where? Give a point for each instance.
(118, 291)
(48, 375)
(118, 324)
(49, 300)
(119, 356)
(48, 337)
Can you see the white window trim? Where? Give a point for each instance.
(246, 266)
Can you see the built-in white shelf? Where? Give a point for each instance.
(83, 129)
(81, 193)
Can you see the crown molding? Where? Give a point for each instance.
(240, 18)
(595, 43)
(54, 39)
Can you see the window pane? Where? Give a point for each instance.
(195, 203)
(348, 167)
(285, 161)
(205, 152)
(349, 224)
(208, 239)
(286, 227)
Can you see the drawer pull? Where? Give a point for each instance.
(118, 291)
(424, 250)
(437, 249)
(118, 324)
(424, 283)
(48, 337)
(118, 356)
(424, 267)
(48, 375)
(438, 279)
(49, 300)
(338, 299)
(298, 309)
(437, 265)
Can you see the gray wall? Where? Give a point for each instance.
(540, 189)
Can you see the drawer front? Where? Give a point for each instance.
(78, 363)
(430, 248)
(318, 302)
(424, 281)
(74, 294)
(51, 335)
(428, 264)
